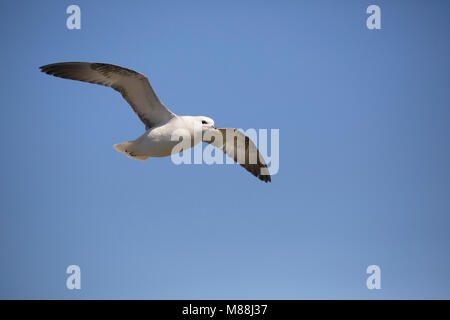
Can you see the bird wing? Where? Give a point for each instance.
(241, 149)
(134, 87)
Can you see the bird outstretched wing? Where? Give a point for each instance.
(241, 149)
(134, 87)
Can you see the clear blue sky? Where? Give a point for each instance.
(364, 151)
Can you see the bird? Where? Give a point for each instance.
(161, 123)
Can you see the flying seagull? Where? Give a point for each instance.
(160, 122)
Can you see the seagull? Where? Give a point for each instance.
(160, 123)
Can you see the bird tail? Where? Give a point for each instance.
(129, 149)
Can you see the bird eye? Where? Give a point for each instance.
(204, 122)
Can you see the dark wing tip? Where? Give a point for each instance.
(256, 170)
(49, 68)
(266, 177)
(43, 68)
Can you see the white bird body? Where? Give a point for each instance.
(163, 127)
(160, 140)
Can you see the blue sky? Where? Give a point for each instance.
(364, 152)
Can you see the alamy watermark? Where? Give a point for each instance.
(373, 22)
(74, 20)
(249, 147)
(73, 281)
(374, 280)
